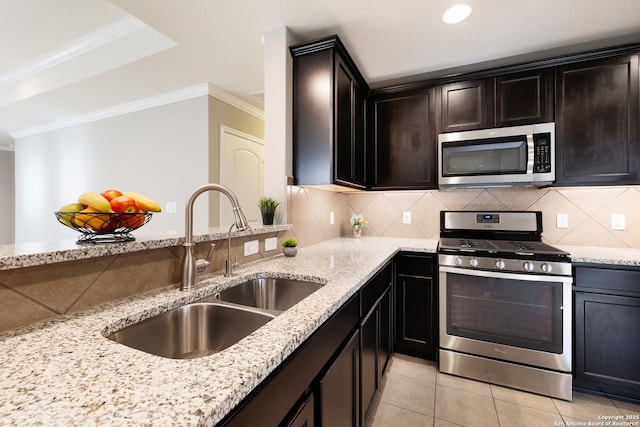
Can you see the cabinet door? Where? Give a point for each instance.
(369, 380)
(465, 106)
(403, 142)
(416, 314)
(608, 343)
(524, 98)
(339, 388)
(597, 122)
(386, 331)
(305, 417)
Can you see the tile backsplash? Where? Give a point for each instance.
(589, 210)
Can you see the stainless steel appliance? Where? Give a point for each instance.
(517, 155)
(505, 302)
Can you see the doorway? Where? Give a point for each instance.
(242, 170)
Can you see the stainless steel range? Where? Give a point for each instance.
(505, 302)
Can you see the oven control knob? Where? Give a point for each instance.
(457, 260)
(500, 264)
(473, 262)
(527, 266)
(546, 268)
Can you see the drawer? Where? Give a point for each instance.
(612, 279)
(415, 264)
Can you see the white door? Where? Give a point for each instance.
(242, 170)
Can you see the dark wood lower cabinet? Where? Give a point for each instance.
(340, 388)
(305, 415)
(607, 338)
(369, 356)
(416, 308)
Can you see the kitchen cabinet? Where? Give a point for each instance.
(373, 329)
(523, 98)
(340, 388)
(597, 122)
(416, 308)
(305, 415)
(465, 106)
(607, 343)
(504, 100)
(402, 141)
(329, 96)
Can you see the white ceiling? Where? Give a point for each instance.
(69, 58)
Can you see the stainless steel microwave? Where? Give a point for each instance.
(511, 156)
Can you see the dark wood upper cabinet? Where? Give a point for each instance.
(523, 98)
(403, 141)
(505, 100)
(329, 96)
(465, 106)
(597, 122)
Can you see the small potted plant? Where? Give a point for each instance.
(289, 247)
(267, 207)
(357, 222)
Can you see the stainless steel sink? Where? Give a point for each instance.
(271, 294)
(194, 330)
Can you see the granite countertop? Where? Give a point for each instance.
(603, 255)
(40, 253)
(65, 372)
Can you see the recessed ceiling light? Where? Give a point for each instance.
(456, 13)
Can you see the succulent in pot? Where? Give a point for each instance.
(267, 207)
(289, 247)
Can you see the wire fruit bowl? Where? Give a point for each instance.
(103, 227)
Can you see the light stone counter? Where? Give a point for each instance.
(65, 372)
(601, 255)
(40, 253)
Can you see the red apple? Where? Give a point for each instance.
(124, 204)
(131, 221)
(111, 194)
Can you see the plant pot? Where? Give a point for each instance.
(290, 251)
(267, 219)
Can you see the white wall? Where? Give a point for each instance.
(161, 152)
(6, 197)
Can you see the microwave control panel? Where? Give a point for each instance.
(541, 153)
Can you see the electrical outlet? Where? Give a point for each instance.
(171, 207)
(617, 222)
(250, 247)
(332, 218)
(562, 220)
(270, 244)
(406, 217)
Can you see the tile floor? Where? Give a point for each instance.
(417, 395)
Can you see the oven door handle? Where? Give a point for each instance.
(502, 275)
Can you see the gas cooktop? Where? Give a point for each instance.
(504, 247)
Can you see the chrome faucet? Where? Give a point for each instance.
(188, 277)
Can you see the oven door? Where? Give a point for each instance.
(520, 318)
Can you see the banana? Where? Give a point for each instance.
(71, 207)
(95, 201)
(66, 213)
(144, 202)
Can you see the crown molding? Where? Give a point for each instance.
(119, 110)
(225, 96)
(107, 34)
(191, 92)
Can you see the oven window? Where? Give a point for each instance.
(485, 157)
(519, 313)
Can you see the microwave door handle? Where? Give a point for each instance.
(530, 154)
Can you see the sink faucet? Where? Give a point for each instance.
(188, 277)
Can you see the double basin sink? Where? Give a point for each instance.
(214, 323)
